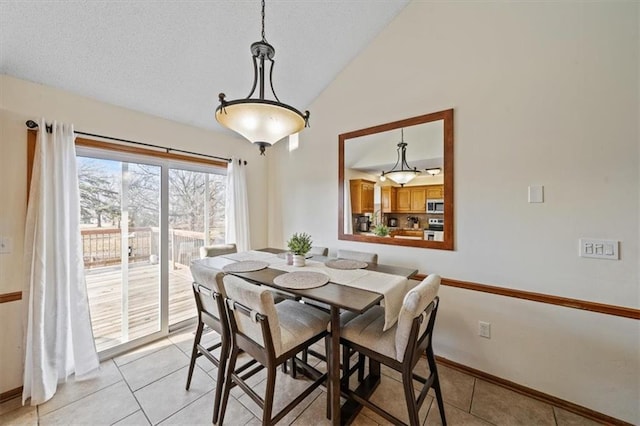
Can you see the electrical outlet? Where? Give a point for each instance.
(484, 329)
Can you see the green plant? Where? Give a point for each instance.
(381, 230)
(300, 244)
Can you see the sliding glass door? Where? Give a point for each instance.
(120, 215)
(143, 222)
(196, 219)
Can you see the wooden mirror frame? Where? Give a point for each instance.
(448, 243)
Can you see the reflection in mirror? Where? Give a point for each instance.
(396, 182)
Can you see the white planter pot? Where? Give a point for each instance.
(298, 260)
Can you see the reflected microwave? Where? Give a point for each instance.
(435, 206)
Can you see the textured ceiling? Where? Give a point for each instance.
(172, 58)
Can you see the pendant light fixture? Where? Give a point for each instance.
(405, 173)
(434, 171)
(261, 121)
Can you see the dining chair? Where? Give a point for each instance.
(271, 334)
(319, 251)
(208, 290)
(362, 256)
(217, 250)
(399, 348)
(345, 316)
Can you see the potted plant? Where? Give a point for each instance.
(299, 244)
(381, 230)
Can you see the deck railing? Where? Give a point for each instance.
(103, 246)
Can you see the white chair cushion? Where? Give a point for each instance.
(258, 299)
(298, 323)
(415, 302)
(345, 317)
(210, 278)
(290, 322)
(217, 250)
(367, 330)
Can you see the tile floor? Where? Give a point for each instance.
(146, 386)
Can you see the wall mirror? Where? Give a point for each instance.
(376, 206)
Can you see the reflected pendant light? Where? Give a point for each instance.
(434, 171)
(261, 121)
(405, 173)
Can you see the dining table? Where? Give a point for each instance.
(355, 297)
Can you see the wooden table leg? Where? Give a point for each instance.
(334, 366)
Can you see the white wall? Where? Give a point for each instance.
(21, 100)
(544, 93)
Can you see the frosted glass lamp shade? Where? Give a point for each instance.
(260, 121)
(402, 177)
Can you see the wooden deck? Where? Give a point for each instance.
(104, 287)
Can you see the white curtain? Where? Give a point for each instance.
(237, 206)
(59, 339)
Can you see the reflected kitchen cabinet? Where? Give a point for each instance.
(388, 199)
(361, 196)
(403, 199)
(411, 199)
(419, 199)
(435, 192)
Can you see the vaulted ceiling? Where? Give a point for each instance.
(172, 58)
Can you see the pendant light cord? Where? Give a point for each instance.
(263, 36)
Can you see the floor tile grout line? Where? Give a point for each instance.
(140, 347)
(302, 412)
(429, 411)
(162, 377)
(133, 394)
(239, 399)
(195, 366)
(192, 402)
(73, 402)
(473, 393)
(553, 410)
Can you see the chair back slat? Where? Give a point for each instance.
(358, 255)
(217, 250)
(319, 251)
(415, 303)
(260, 301)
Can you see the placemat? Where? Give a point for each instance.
(345, 264)
(301, 280)
(245, 266)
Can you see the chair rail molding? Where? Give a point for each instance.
(567, 302)
(10, 297)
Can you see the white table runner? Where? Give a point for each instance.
(392, 287)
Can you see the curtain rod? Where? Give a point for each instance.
(33, 125)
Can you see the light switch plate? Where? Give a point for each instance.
(598, 249)
(6, 245)
(536, 194)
